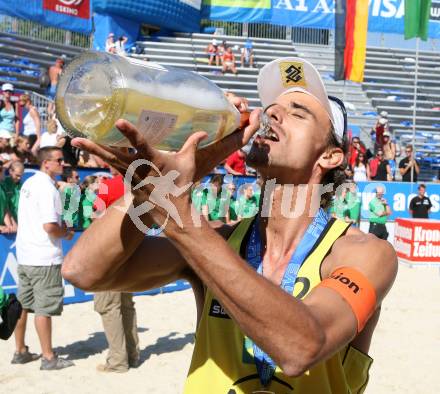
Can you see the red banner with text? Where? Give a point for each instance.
(75, 8)
(417, 240)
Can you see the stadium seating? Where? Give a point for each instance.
(388, 85)
(22, 59)
(188, 51)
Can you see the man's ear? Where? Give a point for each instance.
(331, 158)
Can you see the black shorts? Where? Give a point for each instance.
(379, 230)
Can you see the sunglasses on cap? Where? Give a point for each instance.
(341, 105)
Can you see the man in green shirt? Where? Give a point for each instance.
(70, 196)
(379, 211)
(12, 186)
(247, 204)
(353, 204)
(339, 207)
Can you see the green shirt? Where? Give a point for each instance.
(86, 208)
(71, 196)
(196, 198)
(353, 206)
(4, 205)
(339, 208)
(216, 205)
(376, 208)
(12, 191)
(247, 207)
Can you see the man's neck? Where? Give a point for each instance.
(292, 209)
(48, 173)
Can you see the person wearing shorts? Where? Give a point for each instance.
(39, 255)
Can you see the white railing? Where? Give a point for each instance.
(41, 103)
(22, 27)
(300, 35)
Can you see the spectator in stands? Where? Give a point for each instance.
(389, 151)
(88, 160)
(31, 122)
(409, 167)
(51, 137)
(247, 54)
(54, 74)
(70, 196)
(231, 208)
(110, 45)
(6, 152)
(120, 46)
(89, 188)
(236, 163)
(356, 147)
(379, 128)
(212, 51)
(354, 204)
(339, 209)
(379, 211)
(361, 170)
(247, 204)
(212, 204)
(221, 50)
(229, 61)
(39, 256)
(22, 151)
(420, 205)
(11, 185)
(8, 113)
(379, 168)
(6, 222)
(117, 310)
(71, 154)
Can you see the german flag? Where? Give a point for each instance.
(351, 23)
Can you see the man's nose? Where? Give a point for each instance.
(274, 112)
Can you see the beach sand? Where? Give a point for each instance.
(406, 345)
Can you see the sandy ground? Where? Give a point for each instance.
(406, 345)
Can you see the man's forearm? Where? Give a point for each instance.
(103, 247)
(280, 324)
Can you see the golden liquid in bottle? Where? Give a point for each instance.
(164, 123)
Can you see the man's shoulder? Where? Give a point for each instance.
(403, 161)
(366, 252)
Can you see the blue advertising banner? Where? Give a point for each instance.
(9, 277)
(175, 15)
(386, 16)
(73, 15)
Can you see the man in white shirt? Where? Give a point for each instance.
(39, 255)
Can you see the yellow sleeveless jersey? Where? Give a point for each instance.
(223, 363)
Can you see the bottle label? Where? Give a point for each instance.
(156, 126)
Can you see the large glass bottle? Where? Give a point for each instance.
(166, 104)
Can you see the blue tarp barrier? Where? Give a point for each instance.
(106, 24)
(71, 15)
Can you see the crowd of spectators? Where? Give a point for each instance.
(222, 54)
(379, 162)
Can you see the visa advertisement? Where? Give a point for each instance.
(385, 16)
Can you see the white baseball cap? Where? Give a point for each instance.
(294, 74)
(384, 114)
(8, 86)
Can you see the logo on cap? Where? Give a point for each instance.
(292, 74)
